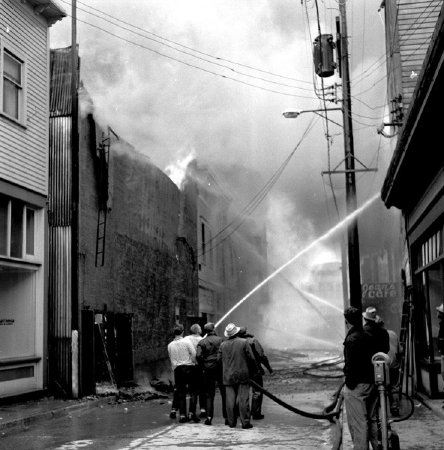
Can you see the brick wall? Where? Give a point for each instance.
(149, 265)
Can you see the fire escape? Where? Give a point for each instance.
(102, 158)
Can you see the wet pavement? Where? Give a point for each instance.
(138, 424)
(147, 426)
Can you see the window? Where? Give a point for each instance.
(430, 250)
(17, 229)
(30, 231)
(12, 85)
(207, 243)
(4, 206)
(204, 243)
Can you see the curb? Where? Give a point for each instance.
(433, 406)
(23, 422)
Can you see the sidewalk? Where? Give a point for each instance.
(436, 406)
(21, 414)
(16, 416)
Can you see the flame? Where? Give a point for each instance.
(177, 171)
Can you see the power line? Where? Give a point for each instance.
(191, 49)
(192, 65)
(256, 200)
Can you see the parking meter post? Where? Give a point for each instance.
(381, 367)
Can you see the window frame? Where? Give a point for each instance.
(37, 255)
(206, 244)
(20, 57)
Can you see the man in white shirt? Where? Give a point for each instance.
(195, 337)
(183, 359)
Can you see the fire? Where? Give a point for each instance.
(177, 171)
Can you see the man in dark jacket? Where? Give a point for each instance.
(206, 355)
(380, 336)
(258, 373)
(360, 395)
(237, 357)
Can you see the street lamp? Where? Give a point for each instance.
(293, 113)
(354, 276)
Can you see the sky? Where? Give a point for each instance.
(212, 78)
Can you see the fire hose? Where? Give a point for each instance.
(331, 411)
(330, 416)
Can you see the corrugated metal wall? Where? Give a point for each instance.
(59, 332)
(59, 172)
(59, 219)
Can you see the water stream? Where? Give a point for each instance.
(325, 236)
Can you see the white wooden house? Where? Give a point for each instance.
(24, 117)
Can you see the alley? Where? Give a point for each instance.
(146, 424)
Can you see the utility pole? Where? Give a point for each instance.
(74, 204)
(354, 264)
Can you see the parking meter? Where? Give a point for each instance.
(381, 367)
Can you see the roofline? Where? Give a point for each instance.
(49, 9)
(432, 62)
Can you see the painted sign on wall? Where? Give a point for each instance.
(381, 290)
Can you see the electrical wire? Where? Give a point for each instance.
(327, 132)
(198, 52)
(255, 201)
(193, 65)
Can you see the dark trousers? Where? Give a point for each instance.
(185, 378)
(257, 396)
(175, 405)
(212, 377)
(238, 399)
(200, 387)
(394, 390)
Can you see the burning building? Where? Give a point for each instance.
(125, 268)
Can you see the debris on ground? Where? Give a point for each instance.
(162, 385)
(130, 392)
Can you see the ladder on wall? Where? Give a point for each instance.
(406, 345)
(103, 157)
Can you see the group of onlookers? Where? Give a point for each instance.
(202, 363)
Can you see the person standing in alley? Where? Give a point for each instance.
(237, 357)
(206, 354)
(257, 377)
(195, 337)
(372, 325)
(394, 354)
(183, 359)
(360, 395)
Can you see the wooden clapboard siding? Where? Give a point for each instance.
(24, 149)
(410, 25)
